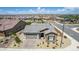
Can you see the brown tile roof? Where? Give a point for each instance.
(6, 24)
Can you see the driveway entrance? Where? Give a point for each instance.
(29, 43)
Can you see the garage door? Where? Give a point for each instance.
(33, 36)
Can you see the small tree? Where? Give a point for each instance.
(16, 38)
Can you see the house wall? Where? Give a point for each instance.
(32, 36)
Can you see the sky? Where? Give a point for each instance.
(39, 10)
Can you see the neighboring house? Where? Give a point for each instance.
(38, 31)
(7, 26)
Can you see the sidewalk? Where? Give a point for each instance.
(75, 29)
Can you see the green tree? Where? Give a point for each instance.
(72, 18)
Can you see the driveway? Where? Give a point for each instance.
(29, 43)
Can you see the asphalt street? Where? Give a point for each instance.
(68, 31)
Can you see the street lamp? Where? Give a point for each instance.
(62, 35)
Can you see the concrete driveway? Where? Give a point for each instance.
(29, 43)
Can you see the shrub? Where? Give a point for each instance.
(42, 42)
(47, 45)
(37, 44)
(53, 47)
(65, 37)
(28, 23)
(17, 40)
(13, 33)
(1, 41)
(14, 44)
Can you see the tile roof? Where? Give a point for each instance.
(6, 24)
(36, 28)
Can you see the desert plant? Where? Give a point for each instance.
(42, 42)
(47, 45)
(65, 37)
(37, 44)
(28, 23)
(1, 41)
(53, 47)
(17, 40)
(14, 44)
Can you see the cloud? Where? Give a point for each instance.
(39, 10)
(66, 10)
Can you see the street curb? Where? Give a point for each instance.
(75, 29)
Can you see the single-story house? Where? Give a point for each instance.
(7, 26)
(37, 31)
